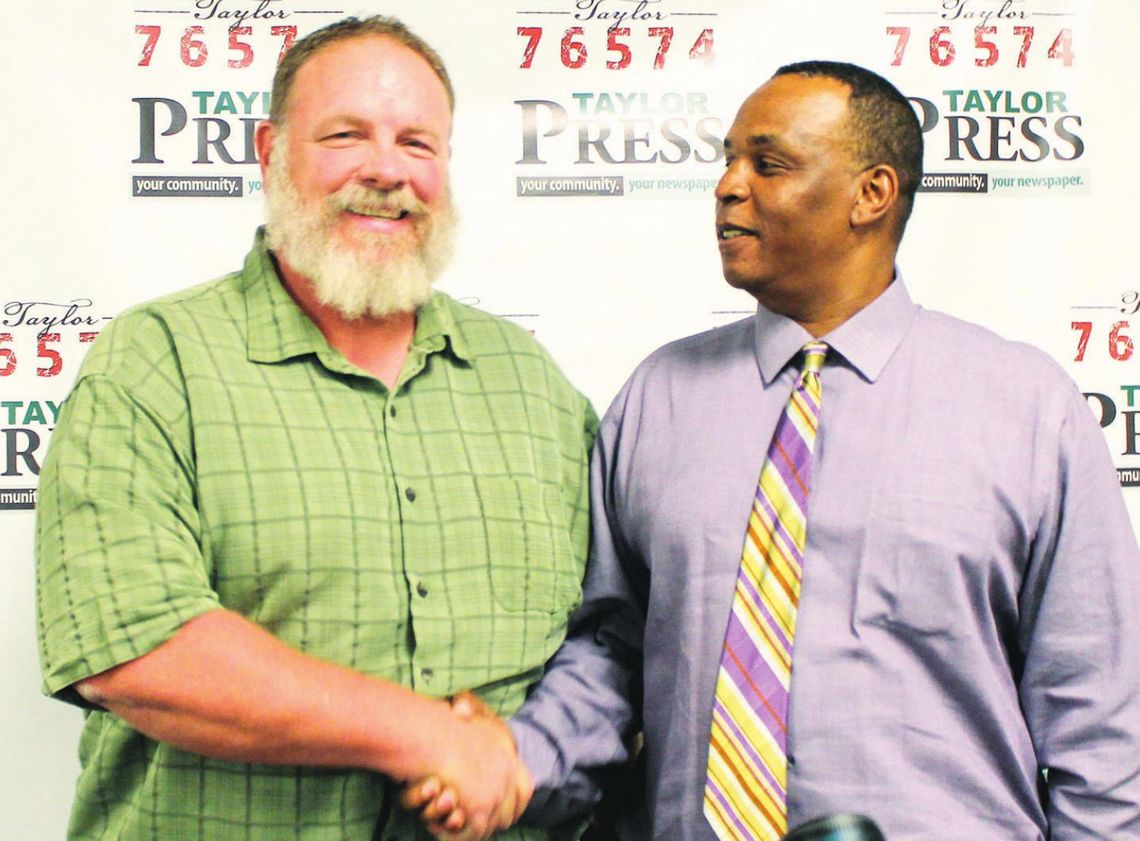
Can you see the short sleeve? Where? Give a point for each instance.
(119, 563)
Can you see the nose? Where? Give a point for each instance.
(382, 166)
(732, 186)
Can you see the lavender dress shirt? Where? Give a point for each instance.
(970, 612)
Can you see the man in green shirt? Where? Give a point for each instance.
(287, 513)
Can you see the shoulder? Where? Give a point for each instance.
(1006, 378)
(145, 338)
(487, 333)
(691, 374)
(502, 348)
(704, 357)
(709, 346)
(982, 350)
(490, 337)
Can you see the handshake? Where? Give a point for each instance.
(482, 787)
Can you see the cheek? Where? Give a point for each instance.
(322, 172)
(429, 181)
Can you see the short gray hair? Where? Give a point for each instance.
(342, 30)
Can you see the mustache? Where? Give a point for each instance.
(374, 201)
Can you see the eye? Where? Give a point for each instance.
(765, 166)
(420, 145)
(343, 136)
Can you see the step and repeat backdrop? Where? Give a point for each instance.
(588, 140)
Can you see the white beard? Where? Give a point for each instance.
(359, 273)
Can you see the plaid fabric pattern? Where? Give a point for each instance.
(217, 451)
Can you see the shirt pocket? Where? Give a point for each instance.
(928, 566)
(530, 556)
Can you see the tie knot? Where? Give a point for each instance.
(814, 354)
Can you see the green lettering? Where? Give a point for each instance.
(225, 104)
(203, 98)
(34, 413)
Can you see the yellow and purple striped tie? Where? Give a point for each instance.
(746, 787)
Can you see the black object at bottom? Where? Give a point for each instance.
(837, 828)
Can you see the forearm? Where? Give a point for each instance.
(223, 687)
(578, 722)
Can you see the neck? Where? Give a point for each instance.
(823, 317)
(376, 345)
(820, 304)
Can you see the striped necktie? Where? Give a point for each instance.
(746, 786)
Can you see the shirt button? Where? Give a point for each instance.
(392, 411)
(426, 674)
(410, 494)
(422, 589)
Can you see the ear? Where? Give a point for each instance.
(877, 194)
(263, 140)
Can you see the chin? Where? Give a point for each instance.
(740, 281)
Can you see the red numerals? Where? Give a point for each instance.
(573, 50)
(622, 46)
(1062, 47)
(988, 45)
(1026, 33)
(982, 41)
(7, 356)
(151, 33)
(703, 47)
(613, 45)
(54, 360)
(1085, 329)
(287, 34)
(1120, 344)
(664, 36)
(47, 353)
(942, 52)
(903, 35)
(242, 48)
(194, 51)
(533, 34)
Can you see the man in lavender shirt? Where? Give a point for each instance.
(966, 659)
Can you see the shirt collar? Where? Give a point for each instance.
(437, 328)
(278, 329)
(866, 340)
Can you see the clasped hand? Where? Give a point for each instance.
(482, 788)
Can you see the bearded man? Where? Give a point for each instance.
(286, 513)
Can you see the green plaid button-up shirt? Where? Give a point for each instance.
(216, 451)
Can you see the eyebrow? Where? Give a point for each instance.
(335, 119)
(755, 140)
(358, 122)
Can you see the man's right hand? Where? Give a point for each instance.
(483, 788)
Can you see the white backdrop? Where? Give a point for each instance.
(584, 183)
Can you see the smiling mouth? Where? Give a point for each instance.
(727, 232)
(380, 213)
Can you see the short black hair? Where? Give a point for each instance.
(342, 30)
(883, 127)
